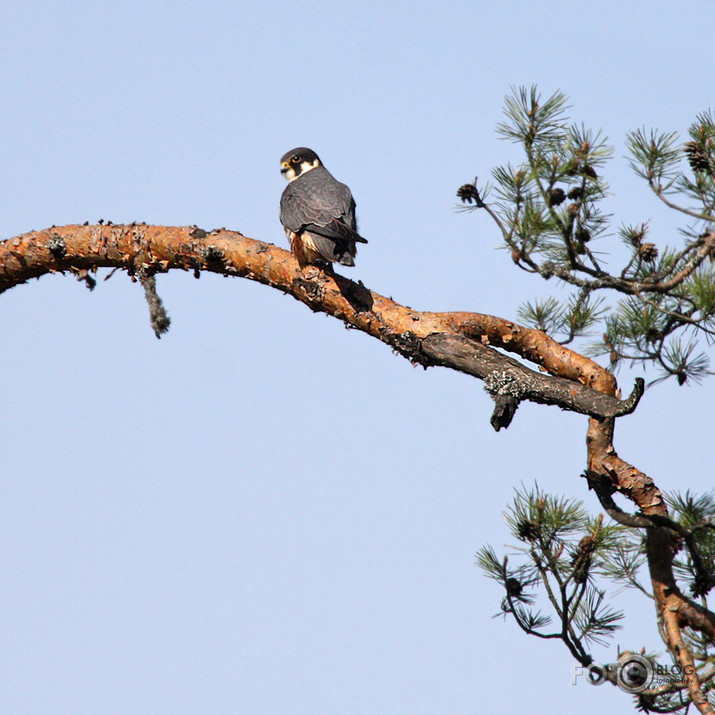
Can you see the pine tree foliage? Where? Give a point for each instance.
(567, 566)
(656, 308)
(550, 211)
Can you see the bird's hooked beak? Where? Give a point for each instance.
(287, 171)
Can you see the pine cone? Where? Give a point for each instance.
(527, 531)
(581, 558)
(555, 197)
(589, 171)
(648, 251)
(469, 193)
(637, 236)
(513, 586)
(582, 235)
(702, 584)
(697, 157)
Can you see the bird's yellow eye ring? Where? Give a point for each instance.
(295, 159)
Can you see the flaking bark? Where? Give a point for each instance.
(505, 378)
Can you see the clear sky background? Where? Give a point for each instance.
(263, 512)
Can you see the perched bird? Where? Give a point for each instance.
(317, 212)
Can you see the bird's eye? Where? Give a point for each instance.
(295, 159)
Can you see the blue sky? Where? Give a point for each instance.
(263, 512)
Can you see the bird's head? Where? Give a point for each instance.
(297, 162)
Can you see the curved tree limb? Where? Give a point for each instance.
(143, 250)
(460, 340)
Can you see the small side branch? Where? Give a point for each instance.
(509, 382)
(158, 316)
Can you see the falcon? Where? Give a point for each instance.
(317, 212)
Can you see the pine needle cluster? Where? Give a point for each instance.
(550, 211)
(559, 580)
